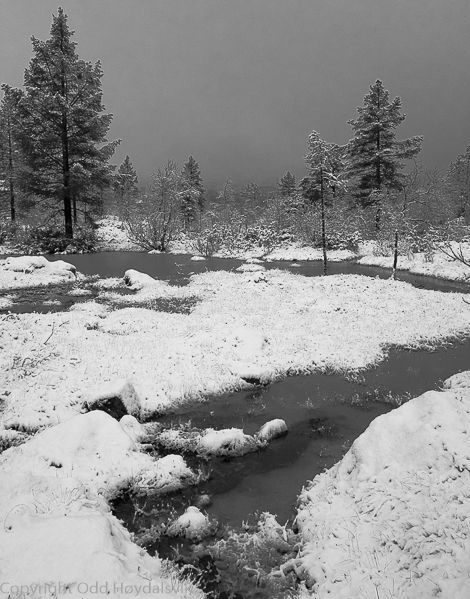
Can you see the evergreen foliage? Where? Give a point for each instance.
(286, 184)
(375, 156)
(63, 134)
(126, 180)
(458, 177)
(192, 191)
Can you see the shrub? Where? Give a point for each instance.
(52, 241)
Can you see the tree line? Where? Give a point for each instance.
(54, 157)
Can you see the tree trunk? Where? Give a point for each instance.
(395, 256)
(323, 224)
(10, 168)
(66, 181)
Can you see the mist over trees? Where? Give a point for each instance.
(56, 177)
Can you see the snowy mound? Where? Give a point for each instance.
(400, 495)
(25, 271)
(272, 429)
(137, 280)
(193, 524)
(95, 449)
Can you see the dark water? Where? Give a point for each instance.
(324, 414)
(178, 268)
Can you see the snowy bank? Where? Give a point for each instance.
(391, 519)
(437, 264)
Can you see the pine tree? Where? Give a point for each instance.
(126, 186)
(375, 156)
(458, 177)
(10, 156)
(64, 133)
(286, 184)
(192, 196)
(323, 162)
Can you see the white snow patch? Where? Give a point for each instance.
(250, 267)
(272, 429)
(193, 524)
(230, 441)
(198, 258)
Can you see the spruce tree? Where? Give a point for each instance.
(64, 133)
(286, 184)
(192, 191)
(375, 156)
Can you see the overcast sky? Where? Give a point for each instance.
(240, 84)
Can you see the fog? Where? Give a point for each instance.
(240, 84)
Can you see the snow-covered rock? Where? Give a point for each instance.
(117, 398)
(137, 280)
(272, 429)
(250, 267)
(197, 258)
(230, 441)
(253, 374)
(193, 524)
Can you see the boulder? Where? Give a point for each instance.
(117, 398)
(137, 280)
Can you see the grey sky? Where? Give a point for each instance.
(240, 84)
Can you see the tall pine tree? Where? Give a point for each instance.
(10, 155)
(375, 156)
(64, 133)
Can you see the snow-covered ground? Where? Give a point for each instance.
(382, 521)
(437, 264)
(246, 326)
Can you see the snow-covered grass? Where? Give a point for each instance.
(282, 324)
(35, 271)
(391, 519)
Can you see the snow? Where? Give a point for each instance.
(137, 280)
(34, 271)
(116, 394)
(198, 258)
(391, 518)
(95, 449)
(272, 429)
(53, 503)
(238, 330)
(436, 264)
(193, 524)
(230, 441)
